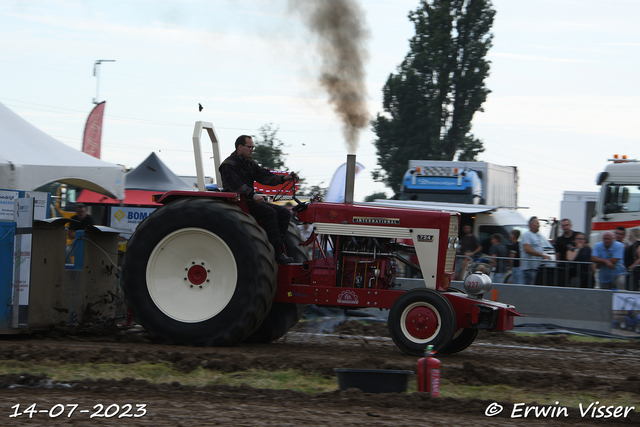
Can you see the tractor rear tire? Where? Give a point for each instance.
(461, 341)
(199, 272)
(419, 318)
(283, 316)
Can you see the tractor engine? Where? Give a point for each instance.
(367, 262)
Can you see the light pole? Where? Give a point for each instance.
(96, 73)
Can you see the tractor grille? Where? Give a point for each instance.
(450, 261)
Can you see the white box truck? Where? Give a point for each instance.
(619, 198)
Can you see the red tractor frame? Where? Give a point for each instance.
(200, 270)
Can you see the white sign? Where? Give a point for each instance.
(23, 217)
(41, 204)
(7, 202)
(9, 197)
(123, 218)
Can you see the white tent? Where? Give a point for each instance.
(29, 158)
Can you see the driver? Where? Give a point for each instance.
(238, 172)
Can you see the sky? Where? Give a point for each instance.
(564, 96)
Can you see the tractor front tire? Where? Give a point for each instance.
(283, 316)
(462, 339)
(419, 318)
(199, 272)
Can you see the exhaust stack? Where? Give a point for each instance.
(349, 187)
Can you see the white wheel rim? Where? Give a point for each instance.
(191, 275)
(403, 323)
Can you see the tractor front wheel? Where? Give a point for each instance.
(462, 339)
(419, 318)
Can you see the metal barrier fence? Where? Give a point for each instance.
(574, 274)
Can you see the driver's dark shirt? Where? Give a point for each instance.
(238, 175)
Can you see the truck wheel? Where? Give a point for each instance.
(463, 338)
(421, 317)
(199, 272)
(283, 316)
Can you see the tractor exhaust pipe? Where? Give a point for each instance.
(350, 183)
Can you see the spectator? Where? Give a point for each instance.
(628, 251)
(562, 244)
(532, 252)
(294, 218)
(469, 244)
(634, 259)
(564, 241)
(580, 275)
(498, 252)
(82, 220)
(469, 247)
(621, 234)
(514, 252)
(609, 254)
(305, 230)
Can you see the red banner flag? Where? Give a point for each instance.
(93, 131)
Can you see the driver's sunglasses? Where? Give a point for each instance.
(250, 147)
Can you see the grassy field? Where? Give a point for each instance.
(287, 379)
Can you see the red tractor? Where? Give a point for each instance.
(200, 270)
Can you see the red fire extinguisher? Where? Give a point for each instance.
(429, 373)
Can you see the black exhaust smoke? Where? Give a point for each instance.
(340, 27)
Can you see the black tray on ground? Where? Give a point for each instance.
(373, 380)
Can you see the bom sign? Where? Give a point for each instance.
(123, 218)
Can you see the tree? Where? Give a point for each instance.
(374, 196)
(268, 152)
(310, 190)
(430, 102)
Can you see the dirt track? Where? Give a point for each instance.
(537, 364)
